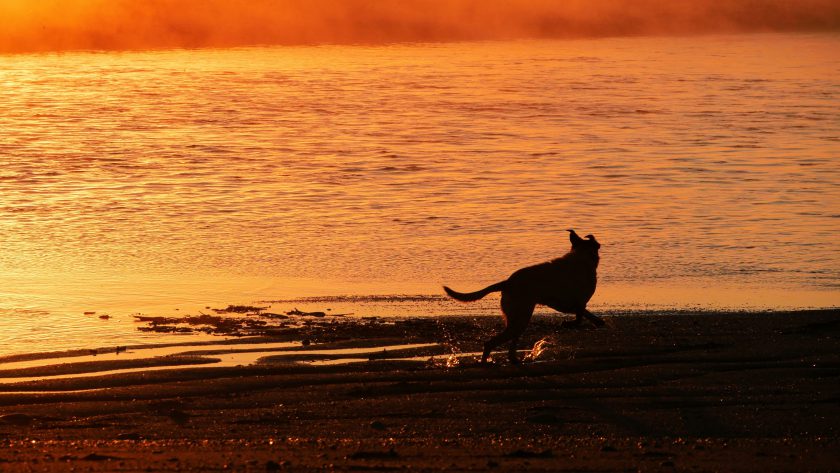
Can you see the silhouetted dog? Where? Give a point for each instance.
(565, 284)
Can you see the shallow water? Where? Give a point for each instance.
(243, 354)
(155, 181)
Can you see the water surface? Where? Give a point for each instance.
(154, 181)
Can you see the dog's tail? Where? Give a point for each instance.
(474, 296)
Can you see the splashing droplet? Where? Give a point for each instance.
(542, 347)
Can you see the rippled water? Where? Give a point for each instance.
(709, 168)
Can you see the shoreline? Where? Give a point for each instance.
(313, 339)
(731, 391)
(105, 321)
(225, 331)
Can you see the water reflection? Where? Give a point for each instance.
(150, 181)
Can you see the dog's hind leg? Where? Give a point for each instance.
(505, 335)
(517, 316)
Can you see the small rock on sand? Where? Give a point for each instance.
(16, 419)
(544, 419)
(376, 425)
(373, 455)
(529, 454)
(95, 457)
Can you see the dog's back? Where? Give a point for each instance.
(565, 284)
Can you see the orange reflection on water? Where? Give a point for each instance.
(151, 181)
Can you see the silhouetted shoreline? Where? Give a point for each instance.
(706, 391)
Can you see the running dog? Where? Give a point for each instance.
(565, 284)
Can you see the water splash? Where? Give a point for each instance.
(452, 361)
(544, 348)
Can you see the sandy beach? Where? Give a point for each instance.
(680, 391)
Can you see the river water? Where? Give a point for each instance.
(163, 181)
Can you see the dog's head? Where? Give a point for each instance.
(589, 244)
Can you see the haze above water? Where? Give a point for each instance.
(149, 181)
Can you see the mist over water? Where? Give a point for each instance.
(147, 181)
(58, 25)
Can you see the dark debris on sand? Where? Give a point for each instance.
(240, 309)
(319, 327)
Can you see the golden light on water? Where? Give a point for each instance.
(176, 179)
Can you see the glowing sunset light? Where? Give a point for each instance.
(507, 235)
(55, 25)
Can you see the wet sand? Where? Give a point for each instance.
(653, 392)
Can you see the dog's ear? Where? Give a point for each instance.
(574, 238)
(591, 239)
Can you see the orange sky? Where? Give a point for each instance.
(51, 25)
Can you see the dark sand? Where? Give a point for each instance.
(661, 392)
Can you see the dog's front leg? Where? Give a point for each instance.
(512, 355)
(572, 323)
(596, 321)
